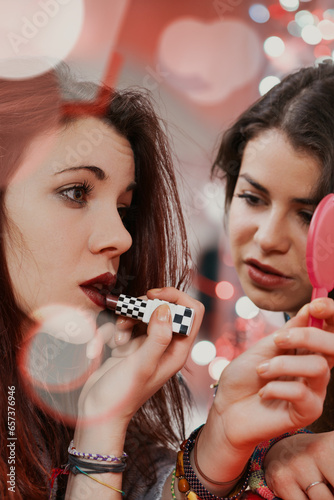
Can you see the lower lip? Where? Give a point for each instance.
(94, 295)
(267, 280)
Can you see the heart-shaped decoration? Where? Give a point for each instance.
(208, 61)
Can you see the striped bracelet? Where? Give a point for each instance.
(96, 456)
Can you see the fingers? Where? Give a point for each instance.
(175, 296)
(318, 490)
(161, 347)
(158, 339)
(311, 366)
(312, 339)
(305, 405)
(322, 308)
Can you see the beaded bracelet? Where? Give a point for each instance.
(96, 456)
(191, 495)
(194, 482)
(183, 484)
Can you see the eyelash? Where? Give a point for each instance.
(254, 201)
(127, 214)
(86, 187)
(306, 217)
(250, 199)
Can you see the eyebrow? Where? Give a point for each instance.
(98, 172)
(259, 187)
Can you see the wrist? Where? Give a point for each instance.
(190, 481)
(104, 437)
(217, 452)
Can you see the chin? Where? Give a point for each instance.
(274, 301)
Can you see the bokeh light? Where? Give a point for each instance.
(289, 5)
(311, 35)
(245, 308)
(294, 29)
(326, 28)
(304, 18)
(203, 352)
(328, 14)
(224, 290)
(274, 46)
(268, 83)
(259, 13)
(217, 366)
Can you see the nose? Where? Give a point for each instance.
(272, 233)
(109, 235)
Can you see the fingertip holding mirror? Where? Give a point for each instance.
(320, 252)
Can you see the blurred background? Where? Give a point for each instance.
(204, 61)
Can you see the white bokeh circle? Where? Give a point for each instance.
(36, 35)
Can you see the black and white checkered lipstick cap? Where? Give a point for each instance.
(182, 317)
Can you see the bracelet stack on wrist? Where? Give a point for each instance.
(189, 483)
(90, 463)
(95, 464)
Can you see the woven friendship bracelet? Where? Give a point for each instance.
(94, 468)
(257, 481)
(96, 456)
(193, 480)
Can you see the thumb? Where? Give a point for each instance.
(159, 335)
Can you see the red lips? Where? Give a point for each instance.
(265, 268)
(96, 288)
(266, 276)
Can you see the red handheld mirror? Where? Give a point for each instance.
(320, 251)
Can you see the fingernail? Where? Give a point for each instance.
(282, 337)
(155, 290)
(94, 349)
(119, 337)
(263, 367)
(261, 391)
(317, 305)
(303, 311)
(120, 321)
(164, 313)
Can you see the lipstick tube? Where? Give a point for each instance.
(132, 307)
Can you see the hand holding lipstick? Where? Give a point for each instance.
(146, 363)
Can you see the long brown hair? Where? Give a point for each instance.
(158, 257)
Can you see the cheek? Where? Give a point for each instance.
(239, 227)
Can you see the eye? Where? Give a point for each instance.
(250, 199)
(306, 217)
(77, 194)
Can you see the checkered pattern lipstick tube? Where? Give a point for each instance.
(182, 317)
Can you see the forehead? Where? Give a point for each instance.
(92, 137)
(275, 163)
(86, 141)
